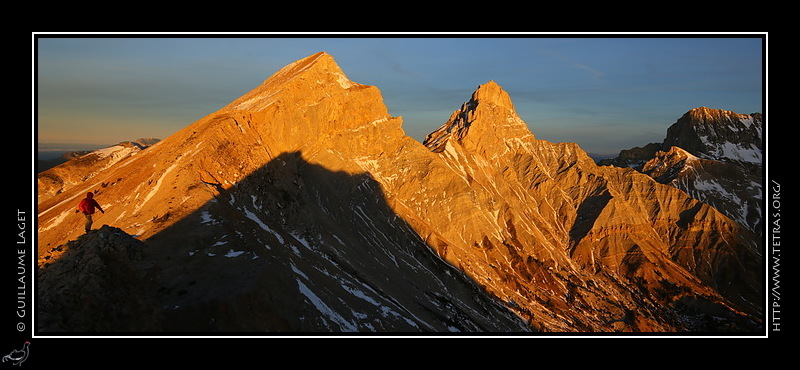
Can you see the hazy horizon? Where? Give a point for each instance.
(604, 93)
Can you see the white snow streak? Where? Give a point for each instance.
(264, 226)
(156, 187)
(232, 253)
(207, 218)
(325, 310)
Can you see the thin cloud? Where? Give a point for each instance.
(593, 73)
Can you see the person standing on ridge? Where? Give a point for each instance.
(87, 206)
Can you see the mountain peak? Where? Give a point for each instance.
(716, 134)
(308, 100)
(320, 62)
(705, 114)
(312, 72)
(488, 117)
(492, 93)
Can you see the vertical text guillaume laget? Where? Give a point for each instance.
(21, 239)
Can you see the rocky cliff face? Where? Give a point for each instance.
(718, 134)
(302, 206)
(537, 208)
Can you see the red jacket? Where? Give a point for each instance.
(88, 204)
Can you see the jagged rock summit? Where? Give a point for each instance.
(307, 84)
(718, 134)
(303, 207)
(485, 122)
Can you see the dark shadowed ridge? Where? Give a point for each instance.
(238, 265)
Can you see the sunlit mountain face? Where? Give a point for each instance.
(304, 207)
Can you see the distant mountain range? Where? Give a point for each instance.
(47, 163)
(303, 207)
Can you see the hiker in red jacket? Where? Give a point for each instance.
(87, 206)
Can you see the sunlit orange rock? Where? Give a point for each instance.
(310, 163)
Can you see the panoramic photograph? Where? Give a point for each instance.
(402, 185)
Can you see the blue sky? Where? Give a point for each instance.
(604, 93)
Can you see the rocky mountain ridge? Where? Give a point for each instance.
(715, 156)
(46, 164)
(539, 174)
(718, 134)
(303, 207)
(76, 167)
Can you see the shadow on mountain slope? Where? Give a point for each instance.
(99, 282)
(298, 248)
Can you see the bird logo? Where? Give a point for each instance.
(18, 356)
